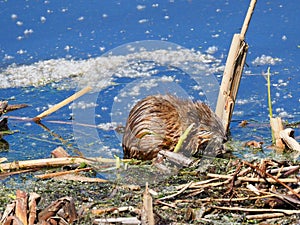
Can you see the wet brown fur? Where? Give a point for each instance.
(157, 122)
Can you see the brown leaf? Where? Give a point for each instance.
(253, 144)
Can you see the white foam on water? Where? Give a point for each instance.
(82, 105)
(265, 60)
(98, 72)
(107, 126)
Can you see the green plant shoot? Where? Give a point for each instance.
(270, 101)
(183, 137)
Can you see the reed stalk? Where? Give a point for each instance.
(270, 101)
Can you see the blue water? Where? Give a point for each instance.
(35, 31)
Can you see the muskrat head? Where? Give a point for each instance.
(206, 143)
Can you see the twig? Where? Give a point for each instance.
(247, 19)
(233, 71)
(9, 210)
(10, 108)
(80, 178)
(233, 179)
(285, 211)
(6, 174)
(54, 162)
(287, 198)
(60, 173)
(119, 220)
(281, 181)
(177, 193)
(256, 179)
(197, 184)
(113, 210)
(178, 158)
(241, 199)
(62, 103)
(166, 204)
(284, 169)
(264, 216)
(253, 189)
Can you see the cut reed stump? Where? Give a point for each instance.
(277, 127)
(284, 138)
(233, 72)
(287, 135)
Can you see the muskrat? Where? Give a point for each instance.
(156, 123)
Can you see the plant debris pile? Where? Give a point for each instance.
(228, 191)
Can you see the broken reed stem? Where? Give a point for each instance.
(178, 192)
(285, 211)
(247, 19)
(255, 179)
(208, 199)
(264, 216)
(270, 102)
(61, 173)
(277, 127)
(54, 162)
(62, 103)
(147, 211)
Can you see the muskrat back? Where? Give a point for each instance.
(156, 123)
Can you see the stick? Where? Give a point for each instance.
(286, 136)
(62, 103)
(177, 158)
(173, 205)
(247, 19)
(264, 216)
(177, 193)
(6, 174)
(225, 199)
(284, 169)
(60, 173)
(147, 211)
(53, 162)
(285, 211)
(113, 210)
(119, 220)
(80, 178)
(280, 181)
(256, 179)
(197, 184)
